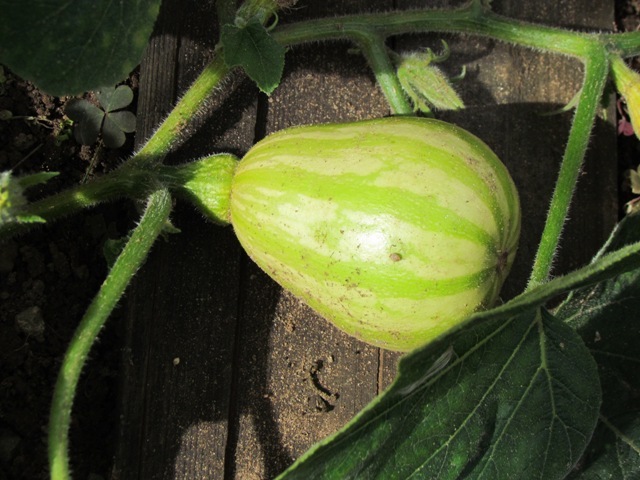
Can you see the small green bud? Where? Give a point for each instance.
(425, 84)
(261, 10)
(205, 183)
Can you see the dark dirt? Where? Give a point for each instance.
(47, 279)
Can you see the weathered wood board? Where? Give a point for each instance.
(226, 376)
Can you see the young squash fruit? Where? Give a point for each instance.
(394, 229)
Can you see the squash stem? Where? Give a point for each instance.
(205, 183)
(129, 261)
(173, 127)
(375, 51)
(124, 182)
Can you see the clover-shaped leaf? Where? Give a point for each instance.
(109, 118)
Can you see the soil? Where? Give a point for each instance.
(47, 279)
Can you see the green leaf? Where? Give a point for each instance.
(29, 219)
(606, 316)
(75, 46)
(518, 399)
(252, 48)
(88, 120)
(124, 120)
(112, 135)
(12, 199)
(112, 99)
(617, 455)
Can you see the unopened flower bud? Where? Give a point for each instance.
(425, 84)
(627, 82)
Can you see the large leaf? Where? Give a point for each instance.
(77, 45)
(517, 399)
(252, 48)
(607, 316)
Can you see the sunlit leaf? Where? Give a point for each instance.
(252, 48)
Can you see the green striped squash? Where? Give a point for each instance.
(393, 229)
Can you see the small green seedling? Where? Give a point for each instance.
(13, 200)
(109, 119)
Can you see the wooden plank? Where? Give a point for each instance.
(260, 376)
(300, 378)
(181, 311)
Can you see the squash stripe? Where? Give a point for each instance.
(437, 218)
(287, 251)
(452, 164)
(337, 235)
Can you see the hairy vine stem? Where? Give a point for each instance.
(172, 127)
(595, 75)
(133, 255)
(123, 183)
(375, 51)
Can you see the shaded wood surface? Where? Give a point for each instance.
(225, 376)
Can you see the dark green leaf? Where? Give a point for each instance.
(125, 120)
(518, 398)
(88, 120)
(617, 455)
(252, 48)
(75, 46)
(112, 99)
(607, 316)
(112, 135)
